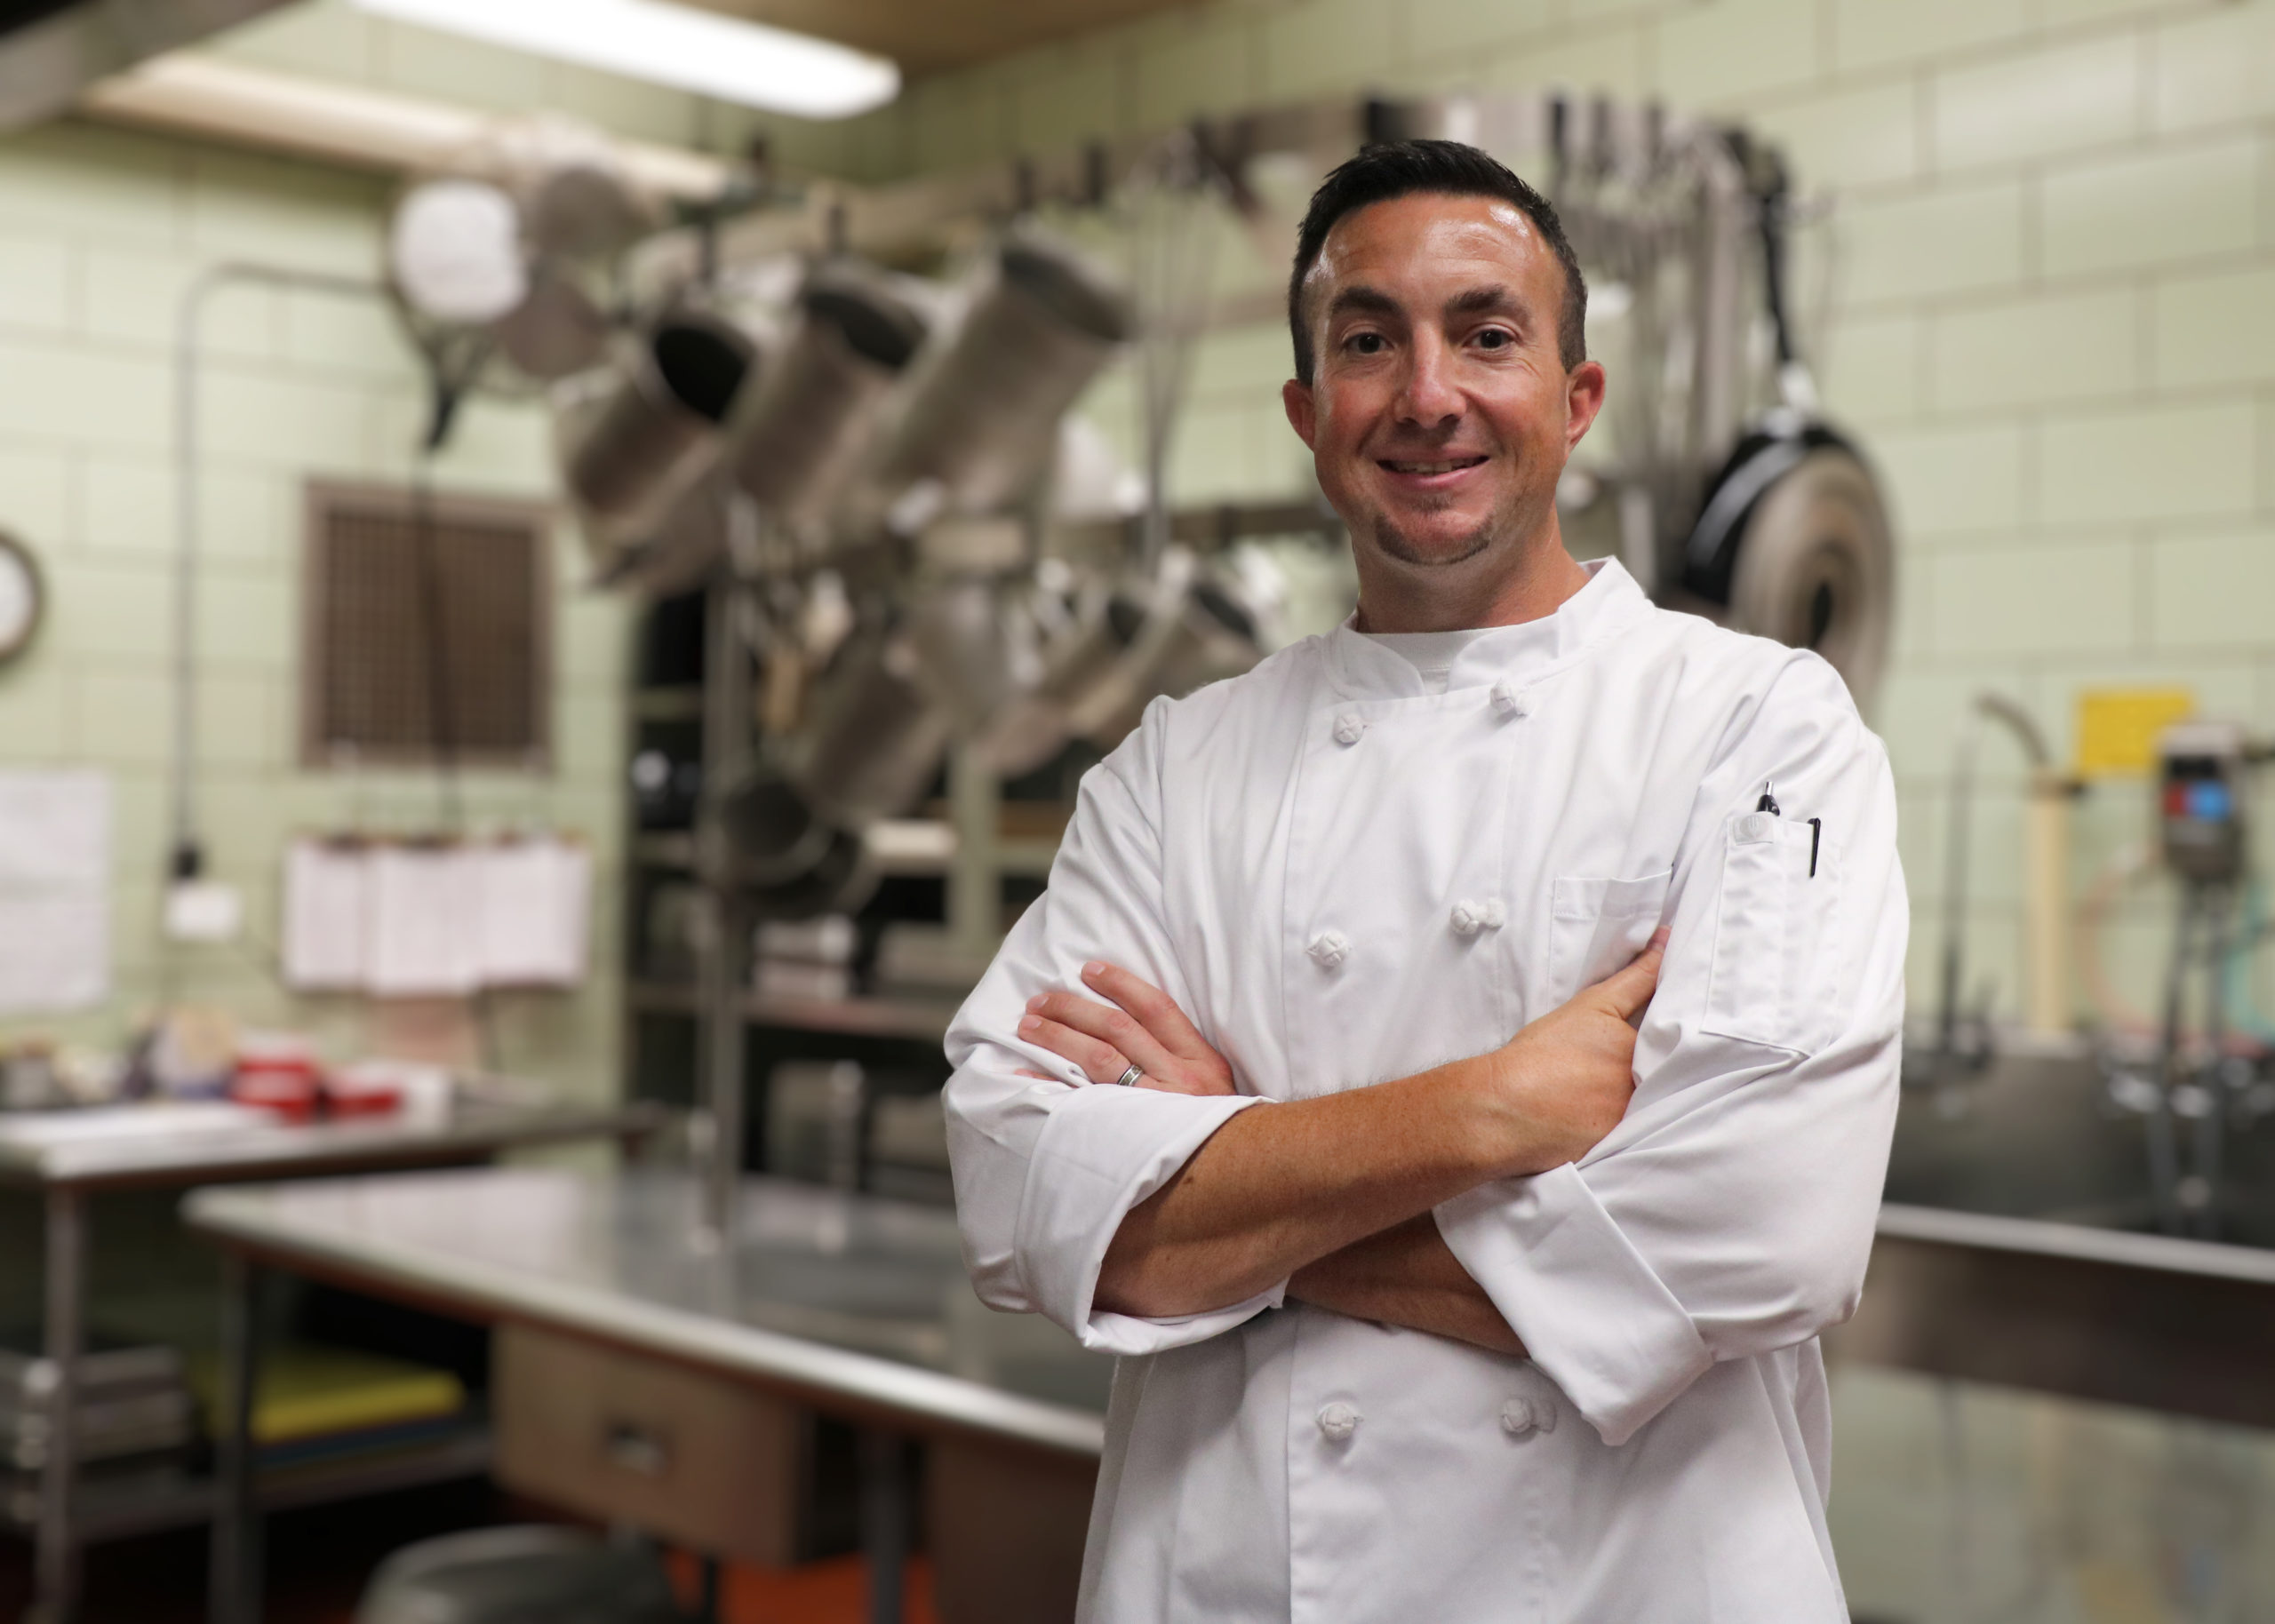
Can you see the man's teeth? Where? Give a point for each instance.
(1434, 467)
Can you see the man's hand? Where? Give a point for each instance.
(1139, 1026)
(1565, 1079)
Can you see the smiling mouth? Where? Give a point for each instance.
(1450, 465)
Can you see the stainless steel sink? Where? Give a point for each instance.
(2035, 1137)
(2016, 1247)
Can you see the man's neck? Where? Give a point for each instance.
(1394, 597)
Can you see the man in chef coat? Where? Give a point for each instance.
(1305, 1088)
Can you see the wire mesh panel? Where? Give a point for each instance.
(427, 630)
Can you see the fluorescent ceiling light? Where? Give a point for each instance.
(722, 57)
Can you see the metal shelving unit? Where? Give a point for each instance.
(676, 702)
(63, 1514)
(869, 1017)
(906, 847)
(954, 864)
(104, 1510)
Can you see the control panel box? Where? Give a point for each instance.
(2201, 767)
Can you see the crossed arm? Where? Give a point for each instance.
(1333, 1194)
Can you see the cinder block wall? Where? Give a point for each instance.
(2048, 292)
(100, 231)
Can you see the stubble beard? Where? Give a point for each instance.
(1502, 527)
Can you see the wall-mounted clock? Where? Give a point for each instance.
(23, 597)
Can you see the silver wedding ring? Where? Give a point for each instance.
(1129, 1080)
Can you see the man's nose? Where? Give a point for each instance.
(1429, 397)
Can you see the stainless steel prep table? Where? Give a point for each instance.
(859, 1307)
(66, 1175)
(856, 1306)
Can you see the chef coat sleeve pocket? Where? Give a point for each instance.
(1598, 924)
(1776, 972)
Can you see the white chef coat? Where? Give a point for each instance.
(1344, 878)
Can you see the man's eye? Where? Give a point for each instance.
(1364, 344)
(1495, 338)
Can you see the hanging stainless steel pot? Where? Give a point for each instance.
(981, 418)
(1794, 543)
(675, 385)
(800, 431)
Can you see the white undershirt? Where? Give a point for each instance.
(1431, 653)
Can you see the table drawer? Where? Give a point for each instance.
(690, 1457)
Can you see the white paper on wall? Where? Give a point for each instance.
(54, 891)
(535, 898)
(405, 920)
(326, 916)
(424, 922)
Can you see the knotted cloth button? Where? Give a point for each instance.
(1348, 727)
(1517, 1417)
(1338, 1421)
(1509, 700)
(1472, 916)
(1328, 949)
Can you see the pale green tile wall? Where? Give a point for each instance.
(2051, 312)
(100, 230)
(2052, 309)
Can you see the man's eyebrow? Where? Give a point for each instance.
(1362, 297)
(1492, 296)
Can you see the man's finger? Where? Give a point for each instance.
(1629, 990)
(1154, 1009)
(1101, 1063)
(1163, 1085)
(1109, 1025)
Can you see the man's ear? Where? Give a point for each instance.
(1584, 387)
(1303, 416)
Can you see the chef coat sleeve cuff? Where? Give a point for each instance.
(1125, 1335)
(1589, 1310)
(1103, 1151)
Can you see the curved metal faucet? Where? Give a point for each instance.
(1985, 707)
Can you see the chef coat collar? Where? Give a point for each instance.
(1365, 669)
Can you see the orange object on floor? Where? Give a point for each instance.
(835, 1591)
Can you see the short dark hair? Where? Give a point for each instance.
(1398, 168)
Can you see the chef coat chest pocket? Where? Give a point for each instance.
(1776, 973)
(1596, 926)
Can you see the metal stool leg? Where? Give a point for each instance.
(235, 1582)
(884, 1521)
(55, 1593)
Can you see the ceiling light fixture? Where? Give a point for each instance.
(748, 63)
